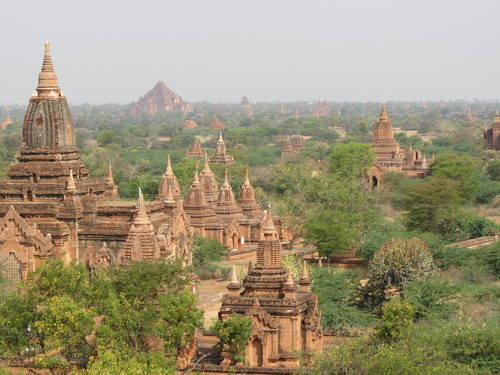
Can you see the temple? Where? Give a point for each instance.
(321, 109)
(196, 150)
(190, 124)
(160, 99)
(50, 206)
(285, 314)
(292, 145)
(492, 136)
(221, 155)
(6, 123)
(390, 157)
(216, 124)
(246, 106)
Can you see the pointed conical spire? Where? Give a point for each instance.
(305, 271)
(384, 117)
(168, 170)
(141, 217)
(70, 185)
(247, 183)
(220, 137)
(225, 184)
(268, 227)
(109, 176)
(206, 166)
(47, 79)
(170, 195)
(196, 178)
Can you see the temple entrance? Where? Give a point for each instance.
(29, 196)
(235, 241)
(374, 182)
(257, 353)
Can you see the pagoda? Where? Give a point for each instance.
(286, 317)
(217, 124)
(196, 149)
(190, 124)
(221, 155)
(209, 183)
(390, 157)
(492, 136)
(169, 180)
(160, 99)
(58, 209)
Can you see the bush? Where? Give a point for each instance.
(206, 252)
(400, 261)
(233, 334)
(335, 290)
(431, 298)
(397, 320)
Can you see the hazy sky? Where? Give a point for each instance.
(218, 50)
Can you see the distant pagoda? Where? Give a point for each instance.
(492, 136)
(196, 150)
(221, 155)
(217, 124)
(160, 99)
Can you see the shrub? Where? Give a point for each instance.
(400, 261)
(206, 252)
(335, 290)
(233, 334)
(431, 298)
(397, 320)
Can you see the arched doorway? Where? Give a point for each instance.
(235, 241)
(257, 353)
(374, 182)
(29, 196)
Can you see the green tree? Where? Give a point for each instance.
(233, 334)
(351, 160)
(397, 321)
(461, 168)
(432, 205)
(493, 169)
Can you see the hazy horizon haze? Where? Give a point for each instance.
(218, 51)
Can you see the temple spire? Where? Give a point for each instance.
(109, 176)
(142, 216)
(196, 178)
(206, 166)
(70, 185)
(169, 170)
(384, 117)
(247, 179)
(48, 85)
(225, 184)
(170, 195)
(220, 137)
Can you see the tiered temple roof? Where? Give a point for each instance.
(160, 99)
(217, 124)
(196, 150)
(221, 155)
(248, 202)
(492, 136)
(286, 319)
(169, 179)
(209, 183)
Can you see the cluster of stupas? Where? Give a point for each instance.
(160, 99)
(216, 213)
(286, 319)
(216, 124)
(321, 109)
(492, 136)
(5, 124)
(50, 206)
(220, 154)
(390, 156)
(292, 145)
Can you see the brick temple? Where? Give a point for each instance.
(492, 136)
(51, 206)
(286, 320)
(390, 156)
(160, 99)
(221, 155)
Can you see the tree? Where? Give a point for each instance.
(432, 205)
(493, 169)
(460, 168)
(397, 320)
(398, 262)
(351, 160)
(233, 334)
